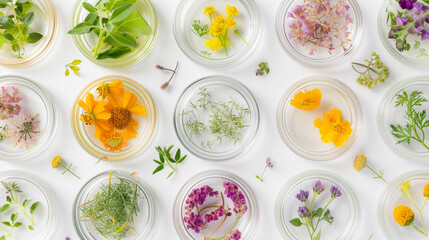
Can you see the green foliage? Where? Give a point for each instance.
(374, 71)
(263, 69)
(165, 159)
(296, 222)
(117, 24)
(416, 121)
(198, 29)
(74, 67)
(15, 29)
(2, 133)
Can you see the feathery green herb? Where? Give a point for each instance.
(165, 159)
(15, 21)
(416, 121)
(113, 208)
(117, 25)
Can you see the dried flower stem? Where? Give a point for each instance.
(165, 85)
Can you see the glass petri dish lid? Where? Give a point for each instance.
(215, 181)
(144, 221)
(35, 101)
(344, 209)
(241, 45)
(45, 23)
(44, 217)
(392, 197)
(86, 42)
(418, 49)
(389, 115)
(216, 118)
(296, 127)
(147, 124)
(315, 50)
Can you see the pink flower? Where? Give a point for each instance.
(24, 131)
(9, 106)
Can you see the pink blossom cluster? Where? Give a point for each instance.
(9, 106)
(319, 23)
(23, 130)
(237, 197)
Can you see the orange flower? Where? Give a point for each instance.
(333, 129)
(95, 114)
(113, 88)
(403, 215)
(121, 113)
(113, 141)
(307, 100)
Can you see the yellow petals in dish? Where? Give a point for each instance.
(359, 163)
(231, 11)
(307, 100)
(113, 88)
(403, 215)
(95, 114)
(333, 129)
(426, 191)
(209, 10)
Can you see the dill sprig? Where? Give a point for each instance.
(113, 208)
(226, 119)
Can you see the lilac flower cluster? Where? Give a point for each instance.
(9, 106)
(236, 235)
(199, 195)
(23, 131)
(321, 23)
(237, 197)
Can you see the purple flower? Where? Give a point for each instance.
(303, 212)
(318, 187)
(236, 235)
(237, 197)
(199, 195)
(67, 238)
(214, 215)
(9, 106)
(302, 195)
(335, 192)
(194, 222)
(417, 11)
(425, 34)
(406, 4)
(401, 21)
(269, 163)
(297, 12)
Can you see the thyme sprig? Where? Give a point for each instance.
(165, 159)
(417, 121)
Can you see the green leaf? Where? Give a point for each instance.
(6, 22)
(8, 199)
(161, 158)
(34, 37)
(92, 18)
(177, 157)
(134, 24)
(31, 227)
(89, 7)
(2, 238)
(17, 224)
(426, 1)
(5, 207)
(81, 28)
(296, 222)
(28, 19)
(169, 175)
(183, 158)
(159, 168)
(317, 237)
(318, 212)
(7, 224)
(13, 217)
(76, 62)
(113, 4)
(158, 162)
(124, 39)
(122, 12)
(2, 41)
(114, 53)
(34, 207)
(26, 202)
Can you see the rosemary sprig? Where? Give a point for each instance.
(165, 159)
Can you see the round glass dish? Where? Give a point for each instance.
(415, 56)
(34, 52)
(216, 179)
(344, 209)
(305, 141)
(35, 100)
(206, 145)
(85, 134)
(248, 25)
(393, 197)
(144, 221)
(85, 43)
(320, 57)
(389, 114)
(34, 189)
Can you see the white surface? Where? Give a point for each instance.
(267, 90)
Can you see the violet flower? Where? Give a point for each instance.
(303, 212)
(406, 4)
(236, 235)
(335, 192)
(193, 222)
(237, 197)
(401, 21)
(302, 195)
(199, 195)
(318, 187)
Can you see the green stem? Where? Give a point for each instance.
(378, 175)
(418, 229)
(170, 165)
(67, 169)
(326, 206)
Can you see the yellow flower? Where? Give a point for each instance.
(217, 28)
(426, 191)
(333, 129)
(230, 22)
(113, 141)
(220, 19)
(209, 10)
(95, 114)
(360, 162)
(231, 10)
(403, 215)
(307, 100)
(57, 161)
(213, 44)
(115, 88)
(406, 187)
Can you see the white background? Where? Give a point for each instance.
(49, 73)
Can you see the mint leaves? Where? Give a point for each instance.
(117, 24)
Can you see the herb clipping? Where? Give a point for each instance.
(165, 159)
(374, 71)
(117, 24)
(263, 69)
(15, 21)
(73, 66)
(362, 162)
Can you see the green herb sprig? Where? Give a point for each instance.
(165, 159)
(74, 67)
(263, 69)
(198, 29)
(416, 121)
(374, 71)
(2, 133)
(117, 25)
(15, 28)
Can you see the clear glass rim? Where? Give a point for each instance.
(254, 116)
(251, 201)
(52, 116)
(387, 194)
(44, 47)
(287, 137)
(381, 22)
(235, 59)
(383, 128)
(81, 197)
(299, 57)
(140, 146)
(47, 193)
(130, 59)
(310, 174)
